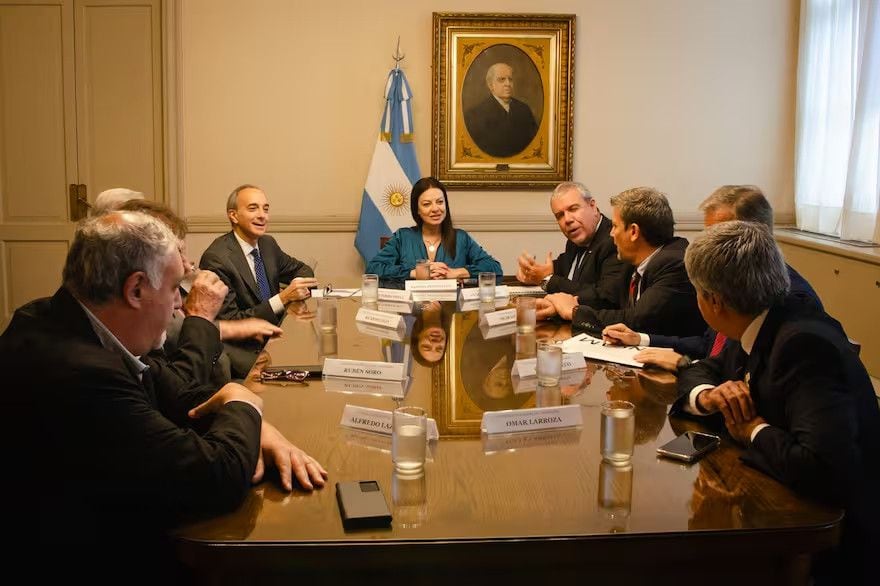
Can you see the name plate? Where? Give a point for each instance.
(363, 369)
(395, 306)
(377, 420)
(504, 443)
(393, 294)
(499, 318)
(529, 366)
(384, 388)
(435, 295)
(490, 333)
(431, 285)
(474, 304)
(379, 318)
(473, 293)
(397, 335)
(514, 420)
(570, 378)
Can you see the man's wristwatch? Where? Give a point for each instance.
(544, 282)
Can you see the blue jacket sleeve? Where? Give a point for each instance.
(477, 260)
(389, 261)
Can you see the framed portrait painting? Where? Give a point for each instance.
(503, 100)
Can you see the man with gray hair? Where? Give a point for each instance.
(589, 267)
(116, 444)
(659, 298)
(790, 389)
(501, 125)
(112, 199)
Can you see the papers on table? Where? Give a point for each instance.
(596, 349)
(526, 290)
(338, 293)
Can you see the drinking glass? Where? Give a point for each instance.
(487, 287)
(525, 314)
(618, 431)
(423, 269)
(370, 288)
(549, 365)
(409, 429)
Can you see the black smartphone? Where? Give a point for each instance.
(362, 505)
(689, 446)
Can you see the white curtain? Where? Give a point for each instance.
(837, 146)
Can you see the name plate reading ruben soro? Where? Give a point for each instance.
(431, 285)
(377, 421)
(394, 294)
(514, 420)
(490, 333)
(385, 388)
(473, 293)
(379, 318)
(528, 366)
(378, 331)
(363, 369)
(499, 318)
(395, 306)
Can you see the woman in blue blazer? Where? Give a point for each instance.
(452, 252)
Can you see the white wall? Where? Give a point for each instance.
(684, 95)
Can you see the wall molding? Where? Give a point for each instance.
(280, 224)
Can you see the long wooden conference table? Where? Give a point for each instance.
(514, 508)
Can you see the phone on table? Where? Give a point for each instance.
(362, 505)
(689, 446)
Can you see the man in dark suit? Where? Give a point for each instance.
(790, 388)
(656, 295)
(728, 202)
(501, 125)
(589, 267)
(253, 266)
(113, 443)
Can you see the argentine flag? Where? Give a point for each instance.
(393, 170)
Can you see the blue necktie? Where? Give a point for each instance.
(260, 270)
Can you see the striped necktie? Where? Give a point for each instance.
(634, 288)
(718, 344)
(260, 270)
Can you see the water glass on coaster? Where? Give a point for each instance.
(423, 269)
(327, 314)
(487, 287)
(525, 314)
(409, 429)
(549, 365)
(370, 288)
(618, 431)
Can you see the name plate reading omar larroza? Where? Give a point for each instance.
(513, 420)
(363, 369)
(377, 421)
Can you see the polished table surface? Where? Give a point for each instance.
(527, 502)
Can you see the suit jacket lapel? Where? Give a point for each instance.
(236, 255)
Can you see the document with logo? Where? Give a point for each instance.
(596, 349)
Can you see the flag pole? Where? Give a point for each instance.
(398, 56)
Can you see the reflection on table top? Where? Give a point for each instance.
(500, 488)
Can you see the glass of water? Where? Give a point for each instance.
(525, 315)
(549, 365)
(327, 314)
(487, 287)
(370, 289)
(423, 269)
(618, 431)
(409, 430)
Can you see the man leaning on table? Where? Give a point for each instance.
(657, 296)
(790, 389)
(589, 267)
(112, 447)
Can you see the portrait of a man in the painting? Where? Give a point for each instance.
(499, 123)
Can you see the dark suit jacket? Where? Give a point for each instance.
(109, 456)
(225, 257)
(811, 387)
(598, 280)
(667, 305)
(500, 133)
(700, 346)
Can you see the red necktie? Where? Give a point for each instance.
(718, 344)
(634, 287)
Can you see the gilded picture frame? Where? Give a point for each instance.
(503, 86)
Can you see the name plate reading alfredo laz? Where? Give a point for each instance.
(391, 321)
(431, 285)
(514, 420)
(377, 421)
(499, 318)
(526, 367)
(473, 293)
(394, 294)
(363, 369)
